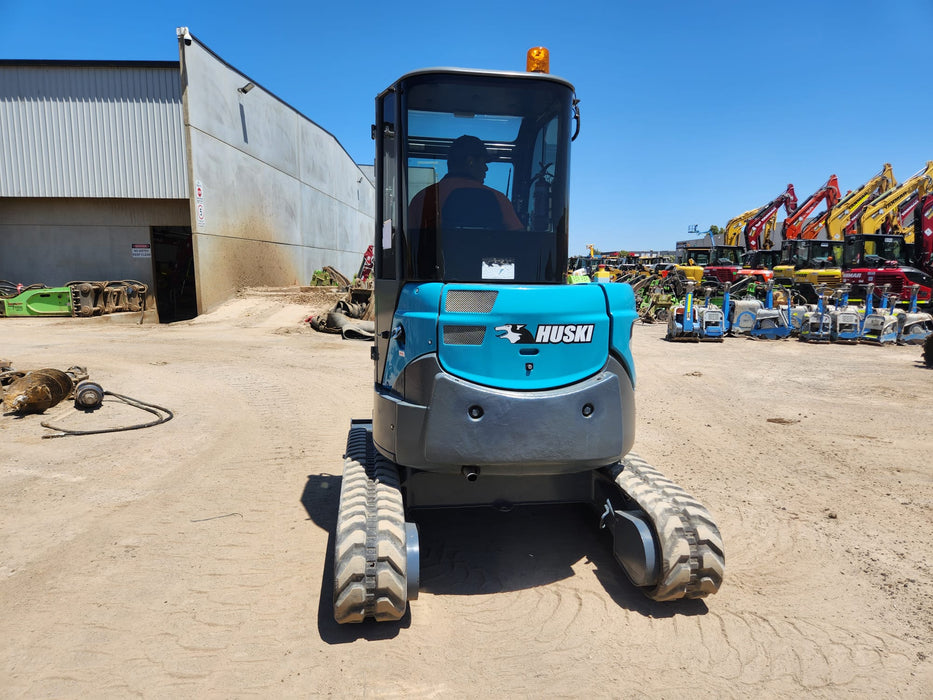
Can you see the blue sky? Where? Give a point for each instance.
(692, 112)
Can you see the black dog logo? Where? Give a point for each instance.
(515, 333)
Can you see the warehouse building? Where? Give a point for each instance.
(186, 176)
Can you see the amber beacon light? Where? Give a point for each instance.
(538, 61)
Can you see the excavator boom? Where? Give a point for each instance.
(795, 221)
(733, 231)
(757, 224)
(812, 228)
(880, 215)
(843, 217)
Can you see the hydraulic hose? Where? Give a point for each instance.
(163, 415)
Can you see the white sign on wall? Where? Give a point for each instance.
(141, 250)
(199, 203)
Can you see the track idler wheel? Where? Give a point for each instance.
(375, 550)
(687, 560)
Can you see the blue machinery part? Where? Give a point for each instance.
(879, 326)
(683, 322)
(913, 326)
(817, 324)
(846, 323)
(711, 318)
(770, 322)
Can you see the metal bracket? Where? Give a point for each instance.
(633, 544)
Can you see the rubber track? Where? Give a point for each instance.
(692, 556)
(370, 577)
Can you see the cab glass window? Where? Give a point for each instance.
(486, 162)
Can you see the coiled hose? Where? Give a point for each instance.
(163, 415)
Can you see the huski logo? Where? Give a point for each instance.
(571, 333)
(515, 333)
(546, 333)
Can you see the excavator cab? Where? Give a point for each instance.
(471, 296)
(496, 382)
(504, 222)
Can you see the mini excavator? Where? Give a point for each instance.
(495, 380)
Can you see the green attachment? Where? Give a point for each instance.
(50, 301)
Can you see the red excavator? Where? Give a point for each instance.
(794, 223)
(799, 248)
(758, 223)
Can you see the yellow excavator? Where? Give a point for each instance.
(880, 214)
(732, 234)
(843, 217)
(880, 252)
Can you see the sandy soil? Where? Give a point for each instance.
(192, 559)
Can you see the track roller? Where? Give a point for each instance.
(375, 550)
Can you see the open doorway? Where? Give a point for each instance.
(173, 272)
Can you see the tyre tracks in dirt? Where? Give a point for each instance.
(192, 558)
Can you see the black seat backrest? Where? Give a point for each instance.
(472, 207)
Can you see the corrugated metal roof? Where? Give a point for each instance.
(72, 130)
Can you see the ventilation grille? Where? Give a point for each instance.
(464, 335)
(470, 301)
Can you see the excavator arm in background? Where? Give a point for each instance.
(795, 221)
(757, 224)
(880, 215)
(843, 218)
(923, 227)
(915, 217)
(733, 231)
(812, 228)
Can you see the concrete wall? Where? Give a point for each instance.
(273, 196)
(55, 241)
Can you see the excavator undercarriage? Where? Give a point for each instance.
(664, 540)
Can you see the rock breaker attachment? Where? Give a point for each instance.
(43, 301)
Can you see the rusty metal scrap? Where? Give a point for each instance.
(37, 390)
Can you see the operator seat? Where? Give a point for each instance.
(472, 208)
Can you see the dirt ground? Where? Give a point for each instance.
(192, 559)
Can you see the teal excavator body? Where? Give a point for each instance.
(495, 381)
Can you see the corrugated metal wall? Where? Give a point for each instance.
(91, 131)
